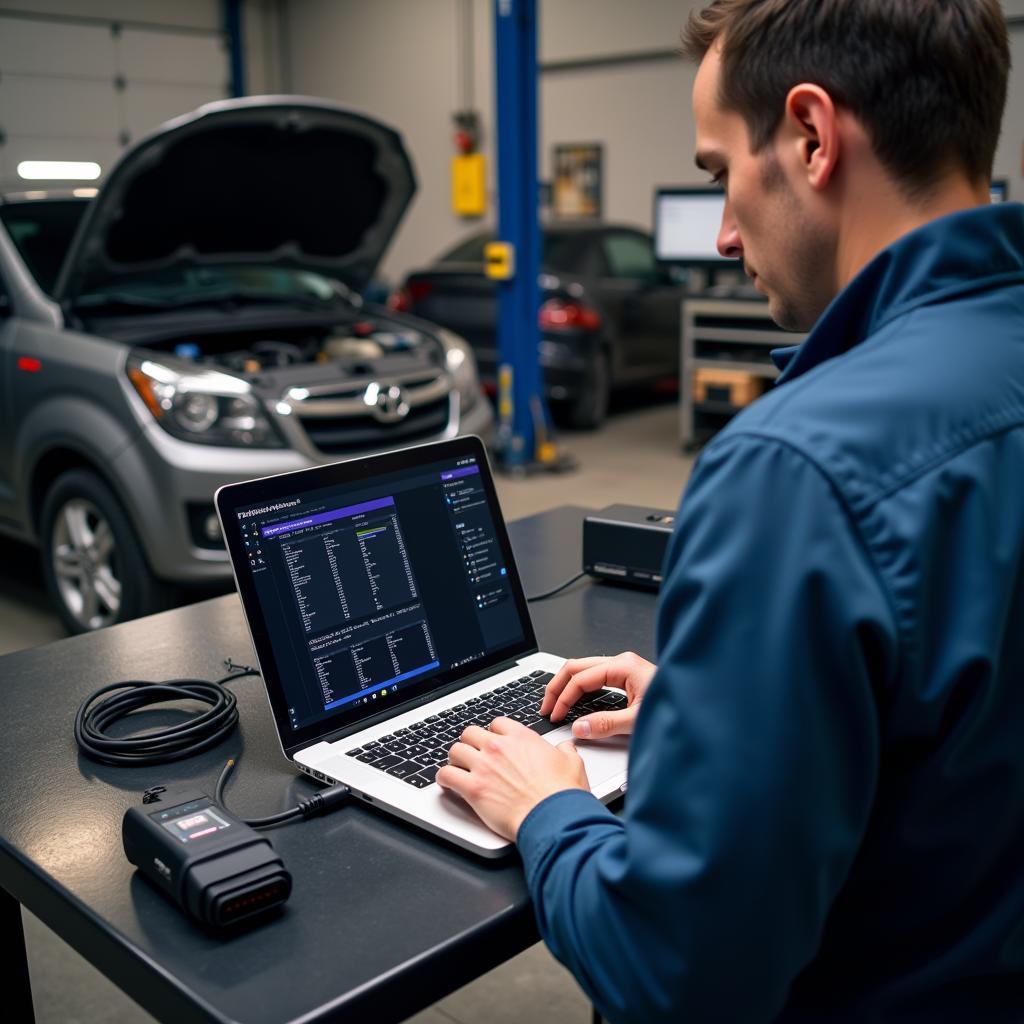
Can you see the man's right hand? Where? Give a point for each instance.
(626, 671)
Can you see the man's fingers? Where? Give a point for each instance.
(587, 681)
(605, 723)
(562, 677)
(568, 748)
(449, 777)
(504, 726)
(462, 755)
(474, 735)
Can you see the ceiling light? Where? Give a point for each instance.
(58, 170)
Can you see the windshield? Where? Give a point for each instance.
(41, 230)
(196, 285)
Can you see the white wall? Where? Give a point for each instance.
(396, 60)
(641, 112)
(263, 47)
(1009, 162)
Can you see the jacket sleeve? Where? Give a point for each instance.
(753, 764)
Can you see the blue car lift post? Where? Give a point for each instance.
(524, 430)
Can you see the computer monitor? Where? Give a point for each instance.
(686, 226)
(997, 190)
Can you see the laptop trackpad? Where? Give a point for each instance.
(604, 759)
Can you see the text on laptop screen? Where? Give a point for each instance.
(371, 591)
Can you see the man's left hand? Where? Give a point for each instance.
(504, 771)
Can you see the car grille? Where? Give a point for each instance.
(338, 420)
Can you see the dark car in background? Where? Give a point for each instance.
(609, 314)
(200, 322)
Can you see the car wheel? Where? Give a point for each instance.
(590, 406)
(93, 564)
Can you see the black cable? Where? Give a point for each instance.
(318, 803)
(555, 590)
(199, 733)
(158, 746)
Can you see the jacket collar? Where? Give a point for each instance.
(971, 250)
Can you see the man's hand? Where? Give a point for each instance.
(627, 672)
(504, 771)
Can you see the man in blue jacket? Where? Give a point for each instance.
(825, 819)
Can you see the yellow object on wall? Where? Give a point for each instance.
(469, 185)
(500, 261)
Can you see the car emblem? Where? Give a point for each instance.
(388, 404)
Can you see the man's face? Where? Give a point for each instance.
(768, 221)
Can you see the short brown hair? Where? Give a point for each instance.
(927, 78)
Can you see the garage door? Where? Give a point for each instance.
(82, 91)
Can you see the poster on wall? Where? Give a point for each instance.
(576, 180)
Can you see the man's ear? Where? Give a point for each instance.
(812, 129)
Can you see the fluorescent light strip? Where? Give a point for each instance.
(58, 170)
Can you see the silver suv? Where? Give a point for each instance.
(199, 322)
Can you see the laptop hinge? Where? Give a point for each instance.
(400, 709)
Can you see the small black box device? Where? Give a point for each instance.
(215, 867)
(626, 544)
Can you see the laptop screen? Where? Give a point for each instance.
(373, 583)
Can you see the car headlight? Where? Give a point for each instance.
(202, 405)
(461, 364)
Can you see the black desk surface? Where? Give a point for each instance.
(383, 919)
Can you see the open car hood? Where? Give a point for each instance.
(267, 181)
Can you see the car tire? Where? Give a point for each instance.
(589, 407)
(93, 565)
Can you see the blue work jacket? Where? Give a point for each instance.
(825, 816)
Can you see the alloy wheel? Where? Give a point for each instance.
(85, 564)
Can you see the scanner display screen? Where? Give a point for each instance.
(192, 822)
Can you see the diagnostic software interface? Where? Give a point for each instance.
(371, 592)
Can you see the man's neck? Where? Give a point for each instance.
(877, 214)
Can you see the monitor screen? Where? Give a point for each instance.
(997, 191)
(686, 225)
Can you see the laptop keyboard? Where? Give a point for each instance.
(415, 753)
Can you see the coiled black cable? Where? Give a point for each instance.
(201, 732)
(97, 713)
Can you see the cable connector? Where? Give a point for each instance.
(324, 801)
(232, 666)
(318, 803)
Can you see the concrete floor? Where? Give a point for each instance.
(634, 459)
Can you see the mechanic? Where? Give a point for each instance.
(825, 816)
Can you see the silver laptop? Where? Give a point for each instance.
(387, 615)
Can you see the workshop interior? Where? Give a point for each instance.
(348, 349)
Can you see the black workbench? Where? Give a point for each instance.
(383, 920)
